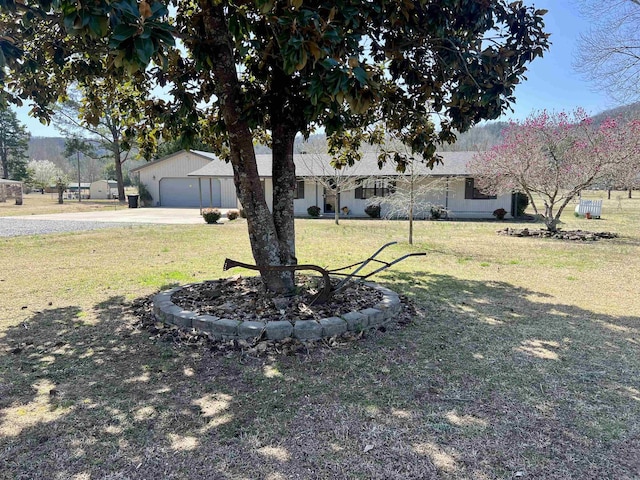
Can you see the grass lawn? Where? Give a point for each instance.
(524, 363)
(37, 203)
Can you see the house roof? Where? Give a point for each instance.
(312, 165)
(207, 155)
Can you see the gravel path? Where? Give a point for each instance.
(13, 227)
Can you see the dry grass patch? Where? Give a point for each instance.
(38, 204)
(524, 362)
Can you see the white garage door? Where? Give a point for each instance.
(184, 192)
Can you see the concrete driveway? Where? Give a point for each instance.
(130, 215)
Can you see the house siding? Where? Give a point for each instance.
(199, 165)
(228, 193)
(300, 205)
(448, 193)
(459, 207)
(177, 166)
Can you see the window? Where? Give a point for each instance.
(472, 193)
(299, 191)
(374, 188)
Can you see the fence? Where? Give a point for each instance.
(594, 207)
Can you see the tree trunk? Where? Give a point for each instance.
(117, 163)
(550, 220)
(79, 189)
(284, 185)
(411, 206)
(266, 245)
(608, 194)
(630, 190)
(336, 214)
(5, 162)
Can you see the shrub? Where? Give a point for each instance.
(243, 213)
(233, 214)
(373, 211)
(499, 213)
(313, 211)
(211, 215)
(522, 202)
(437, 212)
(145, 196)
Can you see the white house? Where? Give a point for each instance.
(103, 189)
(200, 179)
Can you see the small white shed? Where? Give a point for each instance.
(103, 189)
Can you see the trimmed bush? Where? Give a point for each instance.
(373, 211)
(522, 202)
(233, 214)
(499, 213)
(211, 215)
(313, 211)
(145, 196)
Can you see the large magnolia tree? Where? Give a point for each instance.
(553, 157)
(242, 68)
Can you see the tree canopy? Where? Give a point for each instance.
(106, 111)
(14, 143)
(609, 53)
(553, 157)
(43, 173)
(234, 71)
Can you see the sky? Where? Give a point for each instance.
(551, 83)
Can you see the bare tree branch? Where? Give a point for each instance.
(609, 55)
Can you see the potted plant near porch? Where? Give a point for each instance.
(499, 213)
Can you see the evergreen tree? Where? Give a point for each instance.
(14, 142)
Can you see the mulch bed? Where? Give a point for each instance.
(246, 299)
(573, 235)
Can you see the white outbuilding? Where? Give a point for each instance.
(103, 189)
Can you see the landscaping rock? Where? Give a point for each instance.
(205, 324)
(333, 326)
(251, 329)
(356, 321)
(375, 317)
(390, 305)
(159, 307)
(184, 318)
(278, 330)
(226, 328)
(307, 330)
(571, 235)
(168, 312)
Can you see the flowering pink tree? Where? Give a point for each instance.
(552, 157)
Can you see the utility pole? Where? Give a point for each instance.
(79, 189)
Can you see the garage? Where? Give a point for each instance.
(184, 192)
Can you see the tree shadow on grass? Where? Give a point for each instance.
(489, 381)
(88, 394)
